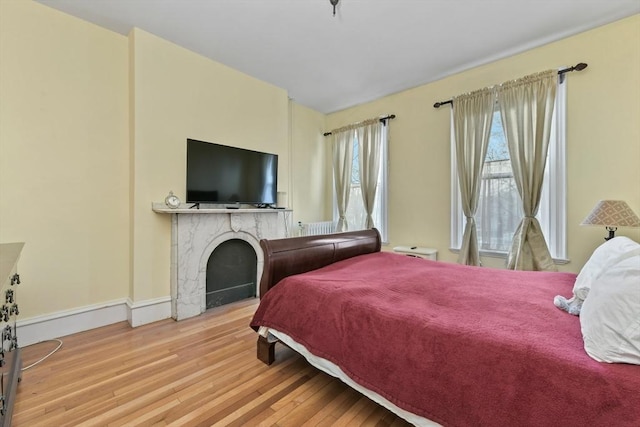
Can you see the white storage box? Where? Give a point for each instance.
(417, 251)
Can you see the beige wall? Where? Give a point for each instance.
(63, 157)
(178, 94)
(310, 151)
(93, 127)
(603, 137)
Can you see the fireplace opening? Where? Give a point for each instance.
(231, 273)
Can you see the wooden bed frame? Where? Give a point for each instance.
(295, 255)
(520, 363)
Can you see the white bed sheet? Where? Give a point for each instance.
(333, 370)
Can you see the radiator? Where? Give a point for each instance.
(315, 228)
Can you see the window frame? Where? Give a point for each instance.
(382, 192)
(554, 200)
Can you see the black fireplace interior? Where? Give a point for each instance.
(231, 273)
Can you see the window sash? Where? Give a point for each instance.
(495, 233)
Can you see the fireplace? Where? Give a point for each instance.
(231, 273)
(197, 233)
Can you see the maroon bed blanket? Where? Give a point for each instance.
(462, 346)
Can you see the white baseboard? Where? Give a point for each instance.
(67, 322)
(149, 311)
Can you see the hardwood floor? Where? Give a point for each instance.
(197, 372)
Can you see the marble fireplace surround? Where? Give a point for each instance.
(196, 233)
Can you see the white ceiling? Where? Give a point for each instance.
(371, 48)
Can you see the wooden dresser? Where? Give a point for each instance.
(10, 362)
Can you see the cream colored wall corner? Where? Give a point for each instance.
(309, 160)
(603, 137)
(178, 94)
(93, 128)
(63, 157)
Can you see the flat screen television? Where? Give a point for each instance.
(221, 174)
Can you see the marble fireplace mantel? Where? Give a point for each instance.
(195, 234)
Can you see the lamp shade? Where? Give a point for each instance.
(612, 213)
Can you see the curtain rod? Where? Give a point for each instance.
(578, 67)
(382, 119)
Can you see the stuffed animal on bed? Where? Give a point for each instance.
(571, 305)
(605, 255)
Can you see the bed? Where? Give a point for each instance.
(437, 342)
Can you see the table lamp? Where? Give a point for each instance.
(612, 214)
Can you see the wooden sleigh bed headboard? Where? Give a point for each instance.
(295, 255)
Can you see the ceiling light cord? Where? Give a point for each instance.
(334, 3)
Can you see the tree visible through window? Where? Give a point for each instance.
(499, 211)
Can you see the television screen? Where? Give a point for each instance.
(222, 174)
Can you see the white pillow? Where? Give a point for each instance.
(610, 316)
(605, 255)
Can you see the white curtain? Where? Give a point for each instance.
(526, 108)
(369, 150)
(342, 148)
(472, 114)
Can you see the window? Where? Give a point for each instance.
(499, 207)
(356, 213)
(499, 211)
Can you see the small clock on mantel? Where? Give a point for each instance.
(172, 200)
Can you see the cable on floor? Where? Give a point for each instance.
(45, 357)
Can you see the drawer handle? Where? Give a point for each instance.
(7, 334)
(8, 295)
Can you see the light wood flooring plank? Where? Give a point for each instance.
(201, 371)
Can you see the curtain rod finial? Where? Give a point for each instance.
(581, 66)
(441, 103)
